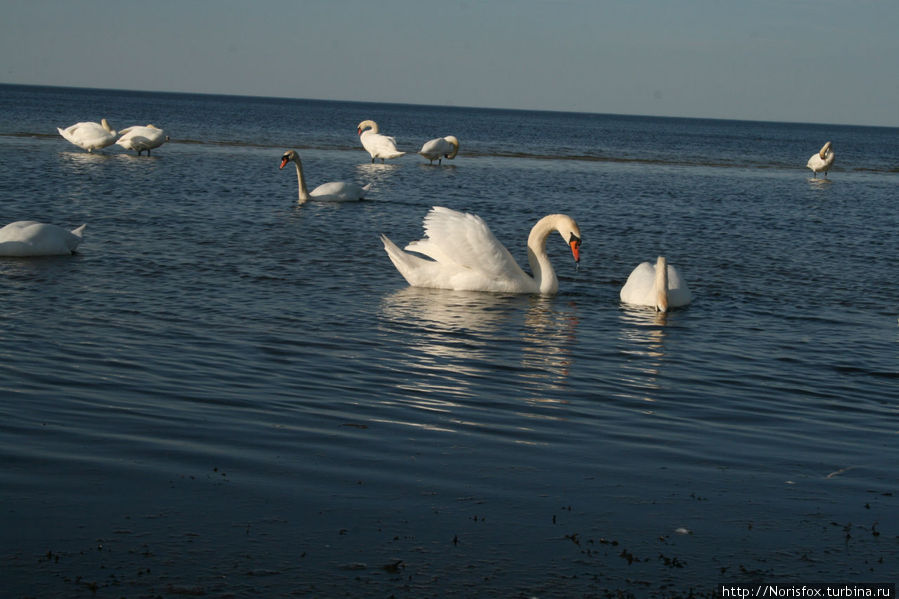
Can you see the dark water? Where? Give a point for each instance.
(225, 393)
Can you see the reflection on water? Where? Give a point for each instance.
(643, 335)
(547, 339)
(375, 173)
(466, 345)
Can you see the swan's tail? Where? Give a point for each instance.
(79, 232)
(409, 265)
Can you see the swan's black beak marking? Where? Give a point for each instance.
(284, 160)
(575, 243)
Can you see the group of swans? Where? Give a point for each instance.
(461, 253)
(92, 136)
(383, 146)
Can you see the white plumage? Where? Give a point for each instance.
(658, 285)
(335, 191)
(466, 256)
(89, 136)
(822, 160)
(440, 148)
(140, 138)
(376, 144)
(31, 238)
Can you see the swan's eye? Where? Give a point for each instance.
(575, 240)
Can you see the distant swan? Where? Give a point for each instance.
(326, 192)
(442, 147)
(822, 161)
(31, 238)
(659, 286)
(140, 138)
(379, 146)
(465, 255)
(88, 135)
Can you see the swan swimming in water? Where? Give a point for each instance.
(336, 191)
(659, 286)
(442, 147)
(31, 238)
(466, 256)
(88, 135)
(376, 144)
(822, 160)
(140, 138)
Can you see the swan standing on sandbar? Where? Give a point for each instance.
(336, 191)
(465, 255)
(89, 136)
(31, 238)
(659, 286)
(822, 161)
(379, 146)
(140, 138)
(442, 147)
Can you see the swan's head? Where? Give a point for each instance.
(824, 150)
(455, 143)
(367, 125)
(571, 233)
(289, 155)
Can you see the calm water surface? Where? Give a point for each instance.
(226, 393)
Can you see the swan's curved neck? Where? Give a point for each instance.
(541, 267)
(661, 284)
(304, 194)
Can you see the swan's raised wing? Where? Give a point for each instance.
(465, 240)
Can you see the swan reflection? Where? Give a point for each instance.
(461, 345)
(643, 334)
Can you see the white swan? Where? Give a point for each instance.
(140, 138)
(439, 148)
(379, 146)
(822, 160)
(659, 286)
(89, 136)
(31, 238)
(326, 192)
(465, 255)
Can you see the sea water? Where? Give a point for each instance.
(227, 393)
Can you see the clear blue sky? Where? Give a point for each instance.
(823, 61)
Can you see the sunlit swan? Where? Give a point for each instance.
(379, 146)
(89, 136)
(822, 161)
(140, 138)
(466, 256)
(659, 286)
(440, 148)
(31, 238)
(336, 191)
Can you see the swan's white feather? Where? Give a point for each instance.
(89, 135)
(31, 238)
(640, 288)
(465, 255)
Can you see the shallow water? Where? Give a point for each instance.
(229, 393)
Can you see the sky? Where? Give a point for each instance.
(818, 61)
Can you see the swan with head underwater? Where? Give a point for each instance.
(140, 138)
(659, 286)
(440, 148)
(89, 136)
(31, 238)
(466, 256)
(335, 191)
(376, 144)
(822, 160)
